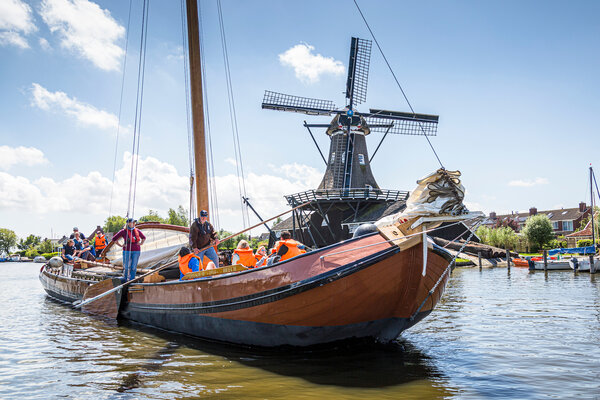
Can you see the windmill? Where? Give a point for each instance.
(348, 188)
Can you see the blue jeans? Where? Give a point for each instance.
(130, 260)
(211, 254)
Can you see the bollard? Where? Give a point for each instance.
(479, 257)
(507, 253)
(545, 260)
(592, 266)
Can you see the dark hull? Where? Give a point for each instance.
(361, 288)
(63, 288)
(303, 301)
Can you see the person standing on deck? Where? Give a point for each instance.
(133, 240)
(76, 231)
(203, 234)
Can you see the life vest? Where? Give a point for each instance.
(184, 262)
(247, 258)
(292, 246)
(100, 242)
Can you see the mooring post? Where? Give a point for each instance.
(507, 257)
(592, 266)
(545, 260)
(479, 257)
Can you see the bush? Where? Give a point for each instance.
(48, 256)
(31, 253)
(555, 244)
(499, 237)
(585, 242)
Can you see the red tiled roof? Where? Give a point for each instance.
(587, 231)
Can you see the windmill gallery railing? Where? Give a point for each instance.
(346, 194)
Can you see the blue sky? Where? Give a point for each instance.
(515, 84)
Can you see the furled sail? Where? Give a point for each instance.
(439, 194)
(161, 246)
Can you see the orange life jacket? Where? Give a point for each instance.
(100, 242)
(292, 246)
(185, 261)
(247, 258)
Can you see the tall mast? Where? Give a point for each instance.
(201, 177)
(592, 206)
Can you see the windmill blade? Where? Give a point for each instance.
(305, 105)
(402, 123)
(358, 70)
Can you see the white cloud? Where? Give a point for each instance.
(159, 187)
(231, 161)
(16, 21)
(309, 67)
(84, 113)
(528, 183)
(29, 156)
(44, 44)
(86, 29)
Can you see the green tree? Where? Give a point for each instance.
(538, 230)
(278, 220)
(152, 217)
(45, 246)
(114, 223)
(483, 233)
(30, 241)
(8, 240)
(178, 217)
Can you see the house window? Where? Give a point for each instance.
(555, 225)
(567, 225)
(361, 159)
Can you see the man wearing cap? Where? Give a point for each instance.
(76, 230)
(133, 240)
(203, 234)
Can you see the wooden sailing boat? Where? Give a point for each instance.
(374, 285)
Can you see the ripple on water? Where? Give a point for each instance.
(495, 334)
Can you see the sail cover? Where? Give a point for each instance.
(162, 245)
(438, 194)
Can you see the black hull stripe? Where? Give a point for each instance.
(271, 295)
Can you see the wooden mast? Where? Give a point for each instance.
(201, 177)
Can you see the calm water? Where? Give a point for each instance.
(496, 334)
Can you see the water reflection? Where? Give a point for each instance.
(348, 364)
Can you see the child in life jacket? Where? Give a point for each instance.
(244, 255)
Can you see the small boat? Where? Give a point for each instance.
(520, 262)
(39, 259)
(582, 264)
(554, 265)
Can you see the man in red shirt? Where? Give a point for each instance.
(133, 240)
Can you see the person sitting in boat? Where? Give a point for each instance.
(287, 247)
(77, 241)
(133, 240)
(261, 256)
(244, 255)
(189, 262)
(76, 231)
(68, 251)
(99, 242)
(202, 234)
(87, 251)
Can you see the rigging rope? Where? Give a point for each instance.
(192, 205)
(212, 184)
(112, 188)
(138, 113)
(397, 82)
(233, 118)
